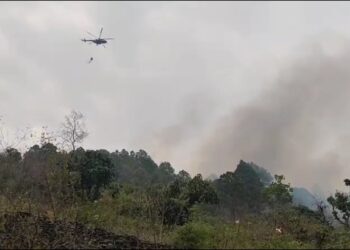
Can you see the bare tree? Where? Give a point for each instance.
(46, 136)
(73, 129)
(13, 138)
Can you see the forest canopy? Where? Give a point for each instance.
(127, 192)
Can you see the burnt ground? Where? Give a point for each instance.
(24, 230)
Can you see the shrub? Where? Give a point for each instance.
(194, 235)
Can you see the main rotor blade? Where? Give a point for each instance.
(91, 34)
(108, 38)
(100, 33)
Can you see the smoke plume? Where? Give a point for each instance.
(299, 128)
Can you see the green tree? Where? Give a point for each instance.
(240, 191)
(340, 203)
(11, 172)
(166, 172)
(199, 190)
(95, 168)
(195, 236)
(279, 193)
(139, 169)
(183, 177)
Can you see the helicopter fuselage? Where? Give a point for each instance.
(100, 41)
(96, 41)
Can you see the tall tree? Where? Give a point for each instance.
(95, 168)
(279, 193)
(166, 172)
(241, 190)
(200, 191)
(73, 129)
(340, 203)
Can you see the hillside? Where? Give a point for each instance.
(24, 230)
(52, 198)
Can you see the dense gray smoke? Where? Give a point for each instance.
(299, 128)
(196, 112)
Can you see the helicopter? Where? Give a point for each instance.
(97, 40)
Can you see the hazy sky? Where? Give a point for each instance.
(199, 84)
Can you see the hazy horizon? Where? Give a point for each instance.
(199, 84)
